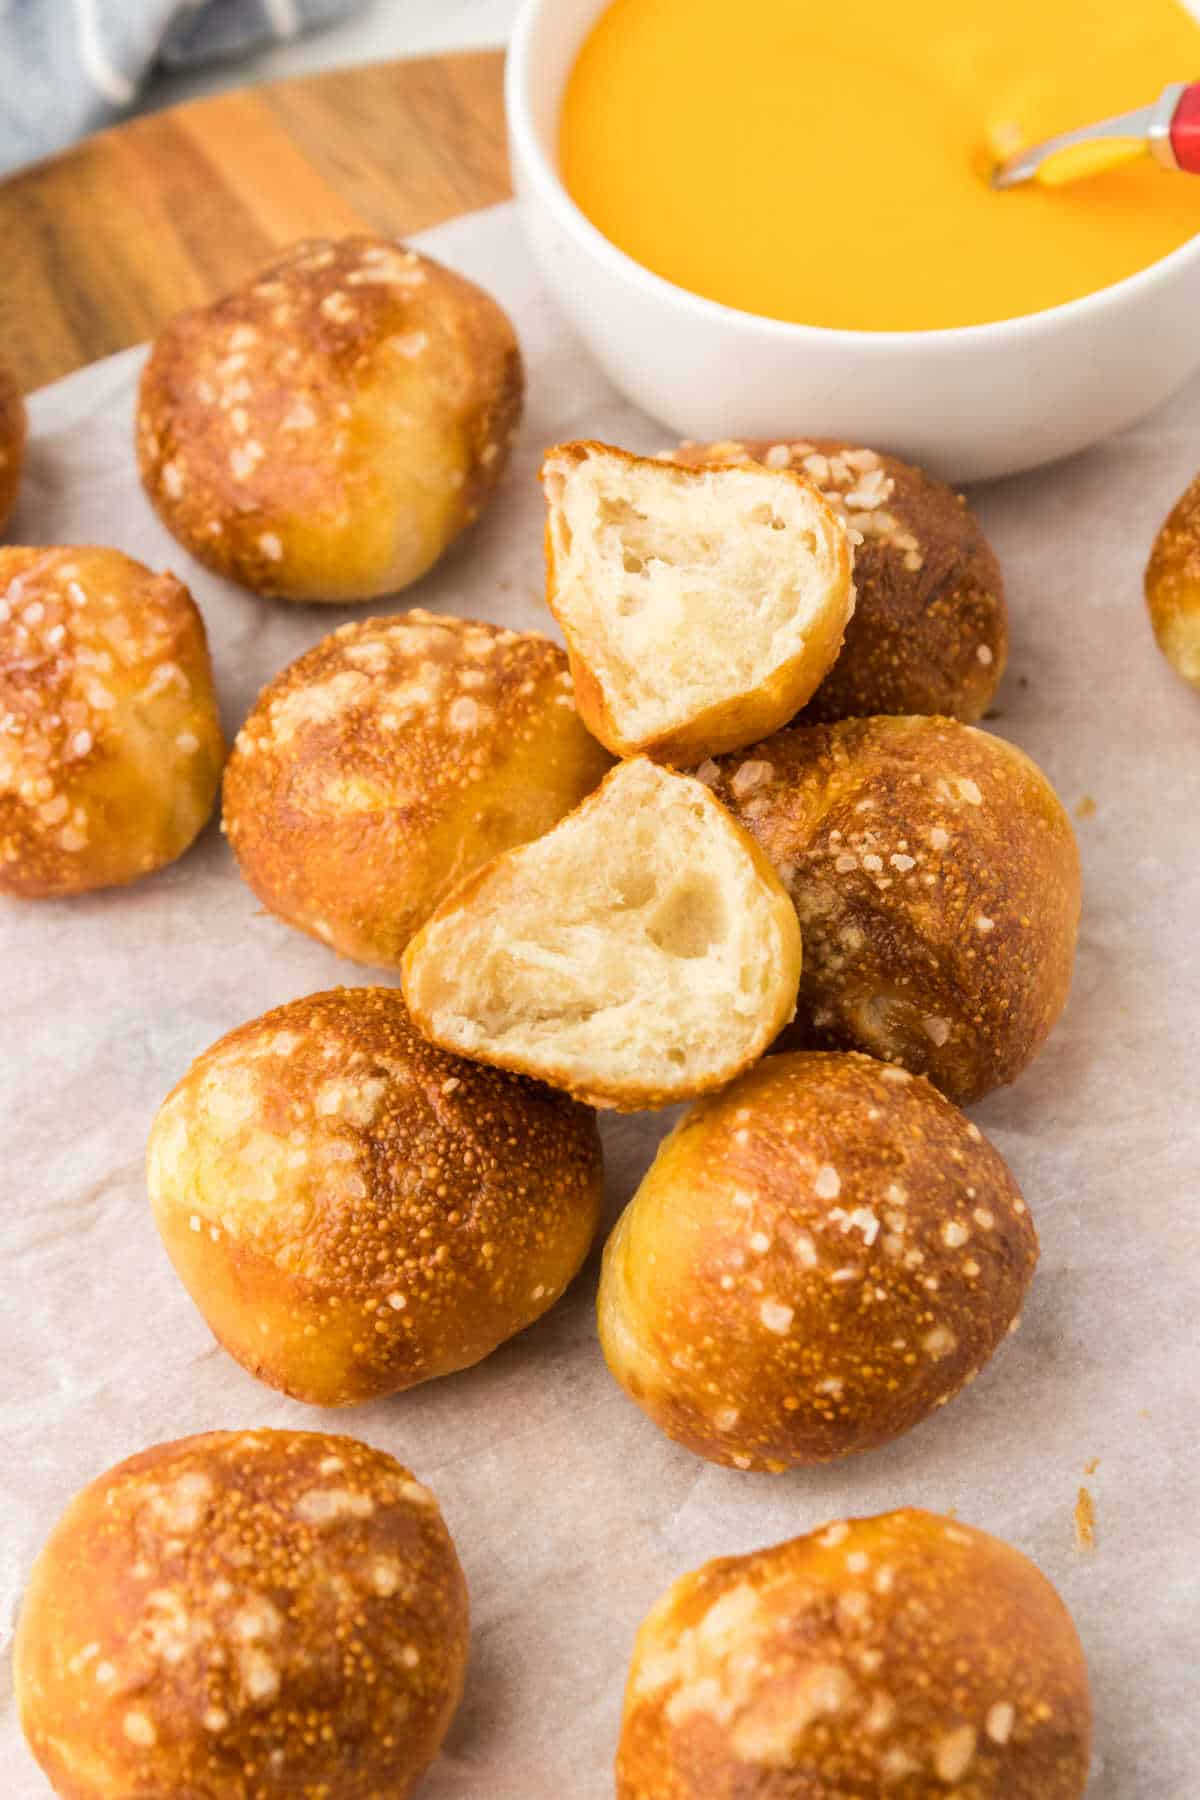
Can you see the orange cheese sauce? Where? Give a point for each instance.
(826, 161)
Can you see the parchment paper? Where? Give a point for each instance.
(571, 1512)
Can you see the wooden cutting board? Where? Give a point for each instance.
(104, 242)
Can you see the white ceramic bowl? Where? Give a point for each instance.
(970, 403)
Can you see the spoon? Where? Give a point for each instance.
(1168, 131)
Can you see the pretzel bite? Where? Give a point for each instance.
(1173, 586)
(12, 443)
(392, 758)
(640, 953)
(110, 745)
(701, 607)
(904, 1657)
(246, 1615)
(354, 1212)
(326, 430)
(930, 630)
(818, 1257)
(936, 878)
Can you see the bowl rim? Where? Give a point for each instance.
(518, 74)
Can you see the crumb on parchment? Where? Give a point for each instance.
(1085, 1521)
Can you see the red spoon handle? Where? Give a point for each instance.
(1185, 130)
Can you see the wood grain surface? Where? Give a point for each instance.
(104, 242)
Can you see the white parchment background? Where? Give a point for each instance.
(570, 1511)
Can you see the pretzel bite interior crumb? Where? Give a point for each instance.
(701, 607)
(639, 953)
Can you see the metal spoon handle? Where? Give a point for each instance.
(1171, 127)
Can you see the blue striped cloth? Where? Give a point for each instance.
(68, 67)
